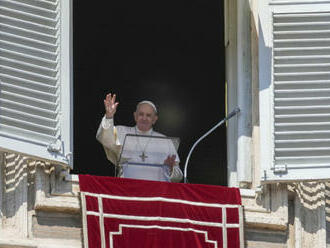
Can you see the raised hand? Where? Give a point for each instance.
(110, 105)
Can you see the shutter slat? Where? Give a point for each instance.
(28, 50)
(310, 164)
(303, 25)
(297, 41)
(28, 100)
(307, 130)
(290, 91)
(316, 123)
(39, 120)
(28, 125)
(28, 135)
(301, 54)
(316, 84)
(295, 32)
(301, 60)
(302, 99)
(304, 82)
(301, 149)
(31, 34)
(301, 116)
(301, 126)
(29, 59)
(302, 159)
(28, 83)
(304, 134)
(35, 110)
(29, 8)
(285, 49)
(302, 108)
(33, 43)
(29, 68)
(301, 152)
(298, 16)
(298, 141)
(302, 65)
(28, 75)
(34, 18)
(292, 74)
(46, 4)
(16, 22)
(314, 132)
(301, 144)
(29, 92)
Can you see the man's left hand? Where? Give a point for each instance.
(170, 161)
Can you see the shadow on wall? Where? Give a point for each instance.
(327, 210)
(264, 53)
(311, 211)
(19, 183)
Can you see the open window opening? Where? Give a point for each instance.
(170, 52)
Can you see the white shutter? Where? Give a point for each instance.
(35, 78)
(299, 97)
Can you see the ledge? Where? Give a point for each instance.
(251, 193)
(292, 2)
(38, 243)
(72, 178)
(263, 222)
(244, 192)
(14, 243)
(58, 204)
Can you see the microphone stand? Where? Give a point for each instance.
(231, 114)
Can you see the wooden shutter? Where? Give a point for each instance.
(299, 95)
(34, 117)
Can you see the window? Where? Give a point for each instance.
(35, 79)
(294, 67)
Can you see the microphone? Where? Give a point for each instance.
(230, 115)
(233, 113)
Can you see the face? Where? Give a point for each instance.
(145, 117)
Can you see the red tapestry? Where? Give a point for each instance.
(120, 212)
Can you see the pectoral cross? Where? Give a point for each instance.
(143, 156)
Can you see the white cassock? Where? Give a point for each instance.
(138, 151)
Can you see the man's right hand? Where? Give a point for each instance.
(110, 105)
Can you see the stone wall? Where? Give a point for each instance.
(327, 212)
(38, 207)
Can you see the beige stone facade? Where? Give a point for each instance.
(40, 207)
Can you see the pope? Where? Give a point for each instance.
(112, 137)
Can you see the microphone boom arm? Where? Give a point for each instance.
(230, 115)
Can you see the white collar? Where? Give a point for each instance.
(138, 131)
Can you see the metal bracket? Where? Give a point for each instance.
(55, 146)
(265, 175)
(280, 169)
(259, 189)
(68, 156)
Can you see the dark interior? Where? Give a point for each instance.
(170, 52)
